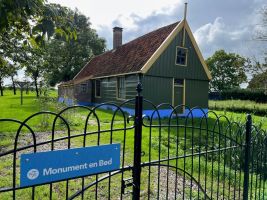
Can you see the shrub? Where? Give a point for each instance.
(240, 94)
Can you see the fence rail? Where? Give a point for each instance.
(161, 158)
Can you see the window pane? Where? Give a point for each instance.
(178, 82)
(97, 88)
(121, 88)
(181, 56)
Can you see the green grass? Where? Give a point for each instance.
(10, 104)
(240, 106)
(164, 140)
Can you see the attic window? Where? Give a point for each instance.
(97, 88)
(121, 94)
(181, 56)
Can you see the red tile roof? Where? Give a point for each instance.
(127, 58)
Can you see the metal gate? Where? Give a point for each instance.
(161, 158)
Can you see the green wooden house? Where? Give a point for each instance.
(167, 62)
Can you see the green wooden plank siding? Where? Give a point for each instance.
(196, 93)
(109, 89)
(157, 89)
(160, 90)
(165, 65)
(158, 82)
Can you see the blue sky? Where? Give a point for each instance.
(216, 24)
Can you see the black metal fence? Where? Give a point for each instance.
(161, 158)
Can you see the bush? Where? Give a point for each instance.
(240, 94)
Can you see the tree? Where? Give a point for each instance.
(259, 79)
(13, 68)
(261, 33)
(66, 58)
(227, 70)
(28, 24)
(35, 67)
(259, 70)
(4, 70)
(32, 20)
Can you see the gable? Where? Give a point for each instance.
(162, 63)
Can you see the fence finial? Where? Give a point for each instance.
(139, 88)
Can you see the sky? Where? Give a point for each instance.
(216, 24)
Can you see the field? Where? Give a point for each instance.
(10, 107)
(240, 106)
(208, 170)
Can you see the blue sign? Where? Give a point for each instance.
(45, 167)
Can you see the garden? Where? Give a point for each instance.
(197, 157)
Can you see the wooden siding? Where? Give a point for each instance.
(157, 89)
(160, 89)
(196, 93)
(81, 95)
(165, 66)
(109, 89)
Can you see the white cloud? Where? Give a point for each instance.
(216, 25)
(225, 24)
(218, 35)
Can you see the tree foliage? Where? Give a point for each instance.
(32, 20)
(261, 33)
(48, 40)
(258, 81)
(259, 78)
(259, 70)
(66, 58)
(35, 67)
(227, 70)
(27, 24)
(4, 71)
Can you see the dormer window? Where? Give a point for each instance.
(181, 56)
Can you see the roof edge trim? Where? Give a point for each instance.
(199, 54)
(162, 47)
(122, 74)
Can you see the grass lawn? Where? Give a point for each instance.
(209, 170)
(240, 106)
(10, 104)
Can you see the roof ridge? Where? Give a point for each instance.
(140, 37)
(145, 35)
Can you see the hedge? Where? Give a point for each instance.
(240, 94)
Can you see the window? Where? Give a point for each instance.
(121, 88)
(181, 56)
(179, 82)
(83, 88)
(97, 88)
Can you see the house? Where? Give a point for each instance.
(167, 62)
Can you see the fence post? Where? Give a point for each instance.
(137, 142)
(247, 157)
